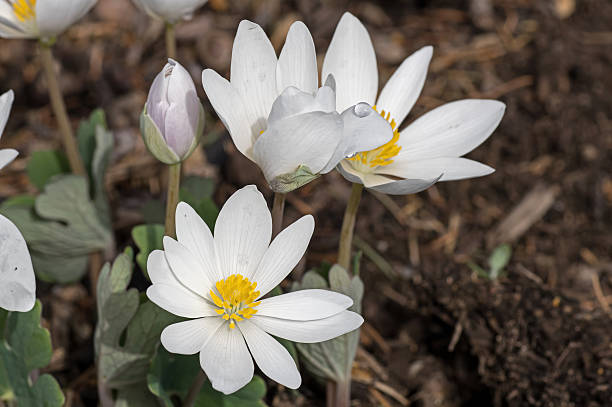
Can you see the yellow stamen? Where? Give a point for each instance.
(24, 9)
(384, 154)
(235, 298)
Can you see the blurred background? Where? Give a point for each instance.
(438, 331)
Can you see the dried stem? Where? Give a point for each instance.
(174, 184)
(278, 210)
(195, 389)
(170, 41)
(59, 109)
(348, 226)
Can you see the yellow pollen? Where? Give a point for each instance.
(235, 298)
(384, 154)
(24, 9)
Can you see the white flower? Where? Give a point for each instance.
(17, 283)
(170, 11)
(43, 19)
(220, 283)
(277, 116)
(426, 151)
(173, 118)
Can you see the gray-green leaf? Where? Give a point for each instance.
(147, 238)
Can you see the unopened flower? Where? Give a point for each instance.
(173, 118)
(220, 282)
(43, 19)
(426, 151)
(277, 116)
(170, 11)
(17, 282)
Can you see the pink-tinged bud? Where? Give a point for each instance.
(173, 119)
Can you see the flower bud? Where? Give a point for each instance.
(173, 118)
(170, 11)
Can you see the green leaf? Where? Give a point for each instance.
(122, 313)
(147, 238)
(249, 396)
(333, 359)
(499, 260)
(61, 228)
(478, 270)
(27, 346)
(44, 165)
(86, 135)
(197, 192)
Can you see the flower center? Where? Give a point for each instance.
(24, 9)
(235, 298)
(382, 155)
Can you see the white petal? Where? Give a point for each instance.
(228, 105)
(180, 301)
(404, 87)
(351, 59)
(6, 101)
(272, 358)
(226, 360)
(451, 168)
(406, 186)
(304, 305)
(7, 156)
(451, 130)
(283, 254)
(186, 267)
(170, 11)
(297, 64)
(293, 102)
(308, 139)
(193, 233)
(10, 26)
(349, 173)
(17, 283)
(188, 337)
(253, 73)
(159, 270)
(319, 330)
(242, 232)
(54, 16)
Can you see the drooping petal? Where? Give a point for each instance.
(159, 270)
(349, 173)
(54, 16)
(193, 233)
(10, 26)
(304, 305)
(242, 232)
(17, 283)
(226, 360)
(229, 107)
(308, 139)
(318, 330)
(351, 59)
(404, 87)
(180, 301)
(189, 337)
(451, 168)
(297, 63)
(283, 254)
(272, 358)
(6, 101)
(451, 130)
(406, 186)
(253, 73)
(293, 102)
(187, 268)
(7, 156)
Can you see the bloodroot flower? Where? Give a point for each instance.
(426, 151)
(220, 282)
(17, 283)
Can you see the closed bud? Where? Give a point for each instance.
(173, 118)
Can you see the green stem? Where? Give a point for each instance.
(59, 109)
(174, 184)
(195, 389)
(348, 226)
(170, 41)
(278, 210)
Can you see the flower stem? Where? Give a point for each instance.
(170, 41)
(278, 210)
(59, 109)
(174, 183)
(195, 389)
(338, 394)
(348, 226)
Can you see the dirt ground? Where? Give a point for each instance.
(436, 334)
